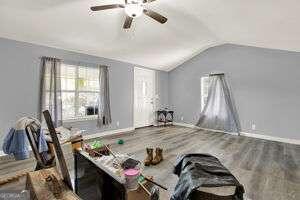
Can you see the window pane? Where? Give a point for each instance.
(68, 84)
(68, 71)
(86, 100)
(68, 77)
(68, 108)
(88, 79)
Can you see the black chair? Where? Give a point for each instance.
(44, 159)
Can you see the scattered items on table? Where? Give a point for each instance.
(97, 149)
(112, 164)
(64, 134)
(126, 167)
(120, 141)
(153, 191)
(96, 144)
(142, 177)
(110, 151)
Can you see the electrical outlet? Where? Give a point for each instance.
(181, 118)
(253, 127)
(118, 123)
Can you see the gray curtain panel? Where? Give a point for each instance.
(50, 89)
(220, 112)
(104, 114)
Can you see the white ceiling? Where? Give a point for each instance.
(193, 26)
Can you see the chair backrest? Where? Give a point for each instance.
(43, 160)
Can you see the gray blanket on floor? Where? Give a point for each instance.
(202, 170)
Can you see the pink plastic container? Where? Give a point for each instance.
(131, 176)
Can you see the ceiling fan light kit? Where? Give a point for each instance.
(133, 9)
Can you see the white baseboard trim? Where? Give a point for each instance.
(272, 138)
(254, 135)
(197, 127)
(108, 133)
(97, 135)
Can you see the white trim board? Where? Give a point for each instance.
(108, 133)
(197, 127)
(272, 138)
(254, 135)
(96, 135)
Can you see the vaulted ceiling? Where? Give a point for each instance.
(193, 26)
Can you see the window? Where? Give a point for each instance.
(80, 91)
(204, 90)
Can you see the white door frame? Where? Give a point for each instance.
(154, 95)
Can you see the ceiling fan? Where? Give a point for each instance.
(133, 9)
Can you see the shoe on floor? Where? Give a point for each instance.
(158, 156)
(149, 158)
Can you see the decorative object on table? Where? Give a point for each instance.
(96, 144)
(58, 149)
(158, 156)
(149, 158)
(77, 143)
(130, 164)
(96, 149)
(165, 116)
(131, 176)
(120, 141)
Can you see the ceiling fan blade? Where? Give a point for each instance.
(128, 22)
(106, 7)
(154, 15)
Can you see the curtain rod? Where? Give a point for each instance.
(73, 61)
(217, 74)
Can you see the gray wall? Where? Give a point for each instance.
(265, 84)
(162, 88)
(19, 84)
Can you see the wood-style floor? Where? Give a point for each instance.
(268, 170)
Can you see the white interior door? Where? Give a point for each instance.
(144, 93)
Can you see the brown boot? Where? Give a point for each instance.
(158, 156)
(149, 157)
